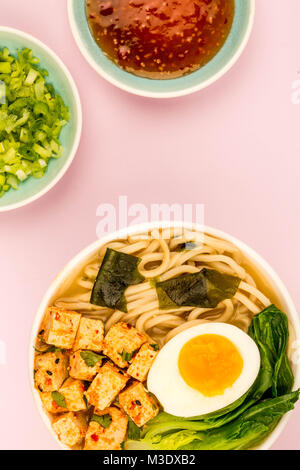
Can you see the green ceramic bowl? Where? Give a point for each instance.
(61, 79)
(218, 66)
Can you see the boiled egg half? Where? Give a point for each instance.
(204, 369)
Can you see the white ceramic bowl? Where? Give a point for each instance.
(59, 76)
(80, 260)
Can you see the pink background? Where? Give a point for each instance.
(233, 147)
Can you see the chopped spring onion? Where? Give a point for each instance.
(31, 118)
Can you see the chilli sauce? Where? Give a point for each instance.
(160, 39)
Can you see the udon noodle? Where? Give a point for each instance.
(162, 257)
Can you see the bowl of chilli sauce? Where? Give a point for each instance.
(161, 48)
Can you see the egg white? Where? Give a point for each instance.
(176, 396)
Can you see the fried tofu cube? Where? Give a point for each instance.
(138, 404)
(81, 365)
(40, 344)
(106, 386)
(50, 405)
(142, 362)
(90, 335)
(50, 370)
(70, 428)
(44, 323)
(73, 390)
(61, 327)
(109, 437)
(122, 342)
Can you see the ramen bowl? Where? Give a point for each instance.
(59, 76)
(252, 259)
(195, 81)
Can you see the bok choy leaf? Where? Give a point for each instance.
(250, 429)
(247, 421)
(247, 431)
(270, 331)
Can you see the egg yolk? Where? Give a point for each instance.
(210, 363)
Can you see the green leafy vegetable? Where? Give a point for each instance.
(134, 432)
(250, 429)
(126, 356)
(32, 115)
(155, 347)
(247, 421)
(269, 330)
(59, 399)
(90, 358)
(164, 422)
(104, 420)
(247, 431)
(206, 289)
(117, 272)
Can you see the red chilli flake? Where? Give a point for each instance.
(95, 437)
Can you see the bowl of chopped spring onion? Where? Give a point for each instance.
(40, 119)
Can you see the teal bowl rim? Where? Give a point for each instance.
(140, 86)
(78, 131)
